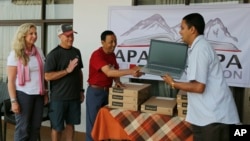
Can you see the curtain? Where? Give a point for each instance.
(52, 40)
(158, 2)
(5, 47)
(35, 2)
(12, 11)
(29, 2)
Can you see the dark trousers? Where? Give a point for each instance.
(28, 122)
(95, 99)
(211, 132)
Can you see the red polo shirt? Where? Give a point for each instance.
(99, 59)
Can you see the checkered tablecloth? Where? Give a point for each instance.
(152, 127)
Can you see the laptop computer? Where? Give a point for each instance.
(166, 57)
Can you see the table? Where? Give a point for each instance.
(121, 124)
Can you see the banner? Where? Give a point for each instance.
(227, 29)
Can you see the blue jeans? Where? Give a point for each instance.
(95, 99)
(28, 122)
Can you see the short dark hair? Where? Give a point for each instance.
(105, 34)
(196, 20)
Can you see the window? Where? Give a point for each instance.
(46, 14)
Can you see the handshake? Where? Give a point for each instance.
(135, 71)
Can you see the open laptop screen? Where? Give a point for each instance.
(167, 54)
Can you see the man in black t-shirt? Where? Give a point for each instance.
(63, 70)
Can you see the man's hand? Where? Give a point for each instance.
(46, 98)
(168, 79)
(120, 85)
(82, 96)
(136, 71)
(72, 64)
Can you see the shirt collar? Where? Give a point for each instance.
(195, 41)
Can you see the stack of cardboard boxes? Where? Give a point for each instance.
(130, 97)
(136, 97)
(159, 105)
(182, 103)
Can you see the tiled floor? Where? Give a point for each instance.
(45, 134)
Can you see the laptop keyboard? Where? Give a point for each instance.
(154, 71)
(172, 73)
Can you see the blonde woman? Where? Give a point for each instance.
(26, 86)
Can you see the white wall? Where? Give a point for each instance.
(90, 18)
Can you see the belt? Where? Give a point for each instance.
(99, 87)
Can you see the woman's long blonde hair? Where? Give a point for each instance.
(18, 43)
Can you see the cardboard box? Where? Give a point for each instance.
(181, 96)
(182, 104)
(125, 106)
(181, 101)
(160, 105)
(127, 99)
(138, 90)
(130, 97)
(182, 112)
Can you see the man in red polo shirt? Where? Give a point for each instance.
(103, 70)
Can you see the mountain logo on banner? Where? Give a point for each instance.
(156, 27)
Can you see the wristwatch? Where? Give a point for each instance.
(13, 100)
